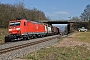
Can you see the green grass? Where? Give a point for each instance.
(62, 53)
(3, 32)
(83, 36)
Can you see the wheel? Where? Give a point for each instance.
(38, 35)
(31, 36)
(41, 36)
(28, 37)
(79, 30)
(85, 31)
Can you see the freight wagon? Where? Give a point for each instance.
(55, 30)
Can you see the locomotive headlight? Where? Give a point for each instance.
(17, 28)
(10, 29)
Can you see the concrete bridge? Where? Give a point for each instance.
(69, 23)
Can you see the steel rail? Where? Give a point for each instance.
(2, 51)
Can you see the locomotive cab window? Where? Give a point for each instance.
(14, 23)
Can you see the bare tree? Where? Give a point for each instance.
(85, 16)
(8, 12)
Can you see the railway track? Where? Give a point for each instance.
(3, 51)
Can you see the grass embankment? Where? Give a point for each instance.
(83, 36)
(64, 53)
(3, 32)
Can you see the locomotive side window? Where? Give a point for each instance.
(14, 23)
(24, 24)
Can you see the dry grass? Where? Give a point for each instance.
(62, 53)
(3, 32)
(82, 36)
(75, 52)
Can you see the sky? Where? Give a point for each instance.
(55, 9)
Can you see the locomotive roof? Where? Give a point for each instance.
(26, 20)
(33, 21)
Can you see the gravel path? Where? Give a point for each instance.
(70, 41)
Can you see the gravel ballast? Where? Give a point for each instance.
(21, 52)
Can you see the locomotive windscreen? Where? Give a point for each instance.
(14, 23)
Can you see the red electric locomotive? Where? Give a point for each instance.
(24, 29)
